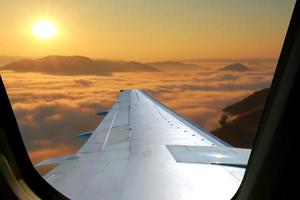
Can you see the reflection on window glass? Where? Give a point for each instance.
(210, 61)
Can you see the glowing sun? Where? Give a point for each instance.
(44, 29)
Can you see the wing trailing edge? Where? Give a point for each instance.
(234, 157)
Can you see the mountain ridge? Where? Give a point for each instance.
(245, 115)
(236, 67)
(76, 65)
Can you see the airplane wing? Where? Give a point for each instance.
(144, 150)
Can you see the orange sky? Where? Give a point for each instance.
(147, 30)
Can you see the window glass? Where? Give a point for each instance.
(211, 61)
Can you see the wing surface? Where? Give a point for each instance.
(144, 150)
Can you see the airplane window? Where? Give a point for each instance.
(64, 66)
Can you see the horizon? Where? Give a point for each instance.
(9, 58)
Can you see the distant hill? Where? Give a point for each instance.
(236, 67)
(76, 65)
(173, 65)
(241, 131)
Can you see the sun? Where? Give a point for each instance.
(44, 29)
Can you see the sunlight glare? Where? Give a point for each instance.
(44, 29)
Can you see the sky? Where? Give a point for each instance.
(147, 30)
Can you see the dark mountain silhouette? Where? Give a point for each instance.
(76, 65)
(256, 99)
(173, 65)
(236, 67)
(245, 114)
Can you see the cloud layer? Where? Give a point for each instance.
(52, 109)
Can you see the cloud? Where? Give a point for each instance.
(37, 155)
(56, 120)
(173, 65)
(228, 86)
(83, 83)
(52, 109)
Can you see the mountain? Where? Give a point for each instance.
(255, 100)
(76, 65)
(173, 65)
(245, 114)
(236, 67)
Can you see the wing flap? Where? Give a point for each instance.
(235, 157)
